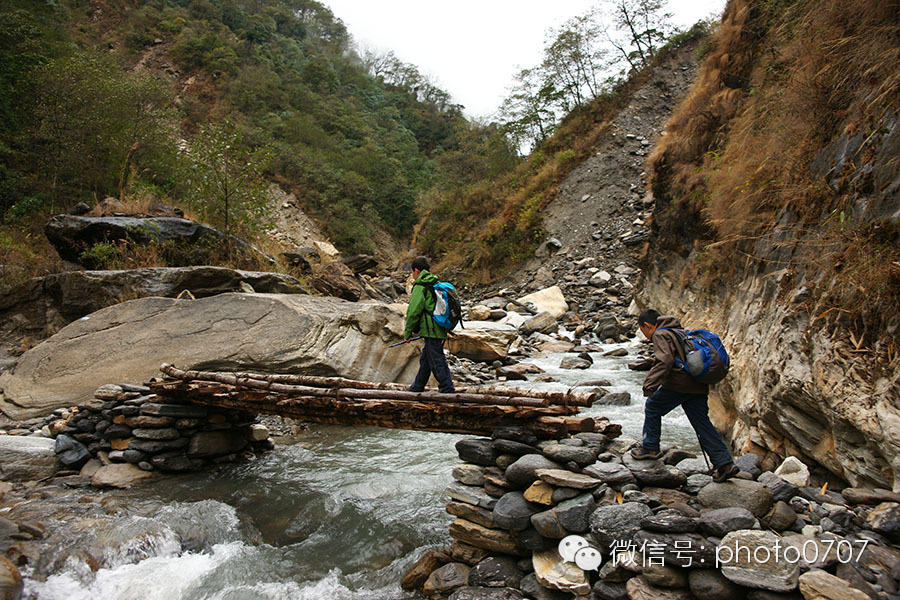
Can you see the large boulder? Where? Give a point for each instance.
(484, 346)
(42, 306)
(549, 300)
(185, 242)
(262, 332)
(26, 457)
(336, 279)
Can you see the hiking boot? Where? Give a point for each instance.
(641, 453)
(725, 472)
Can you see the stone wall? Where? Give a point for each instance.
(580, 517)
(126, 432)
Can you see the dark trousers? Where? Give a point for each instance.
(431, 361)
(696, 408)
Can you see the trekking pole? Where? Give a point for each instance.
(703, 452)
(405, 341)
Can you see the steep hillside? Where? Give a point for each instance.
(777, 223)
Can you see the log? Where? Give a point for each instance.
(570, 397)
(304, 390)
(474, 419)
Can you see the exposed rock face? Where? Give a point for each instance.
(791, 389)
(44, 305)
(193, 242)
(266, 332)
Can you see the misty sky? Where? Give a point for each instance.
(473, 48)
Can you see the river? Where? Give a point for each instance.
(339, 513)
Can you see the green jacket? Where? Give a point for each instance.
(421, 307)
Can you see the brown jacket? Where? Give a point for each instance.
(663, 373)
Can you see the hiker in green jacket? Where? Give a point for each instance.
(420, 322)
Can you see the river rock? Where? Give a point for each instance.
(476, 535)
(660, 476)
(486, 593)
(523, 472)
(216, 443)
(697, 482)
(479, 313)
(540, 492)
(665, 577)
(678, 549)
(70, 452)
(514, 448)
(563, 478)
(749, 463)
(610, 473)
(468, 474)
(554, 573)
(885, 519)
(858, 496)
(811, 552)
(615, 399)
(710, 584)
(670, 521)
(617, 522)
(444, 580)
(416, 577)
(573, 362)
(470, 494)
(751, 495)
(781, 517)
(549, 299)
(25, 457)
(10, 580)
(119, 475)
(609, 590)
(749, 558)
(721, 521)
(495, 572)
(693, 466)
(639, 588)
(478, 451)
(781, 490)
(542, 322)
(563, 453)
(535, 591)
(513, 512)
(166, 433)
(480, 346)
(515, 433)
(278, 333)
(470, 512)
(794, 471)
(819, 585)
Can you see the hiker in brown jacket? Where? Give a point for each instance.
(667, 386)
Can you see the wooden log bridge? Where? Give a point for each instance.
(471, 410)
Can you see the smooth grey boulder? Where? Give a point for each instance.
(748, 558)
(721, 521)
(280, 333)
(513, 512)
(24, 457)
(478, 451)
(781, 490)
(523, 472)
(70, 452)
(542, 322)
(617, 522)
(495, 572)
(563, 453)
(753, 496)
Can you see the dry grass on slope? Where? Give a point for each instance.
(733, 177)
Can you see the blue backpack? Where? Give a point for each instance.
(447, 309)
(705, 357)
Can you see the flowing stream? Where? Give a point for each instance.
(341, 513)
